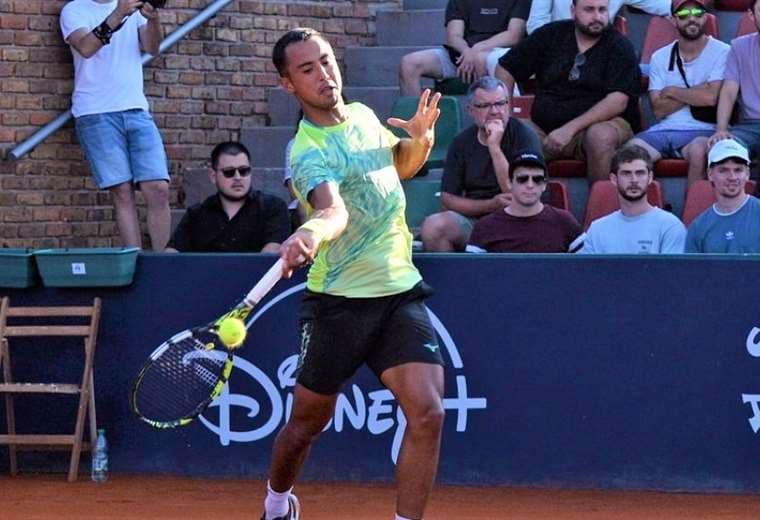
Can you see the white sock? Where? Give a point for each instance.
(399, 517)
(276, 504)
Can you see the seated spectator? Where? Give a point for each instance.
(742, 82)
(684, 81)
(588, 83)
(476, 171)
(732, 224)
(527, 225)
(545, 11)
(478, 33)
(637, 227)
(237, 218)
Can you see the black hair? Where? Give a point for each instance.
(300, 34)
(227, 148)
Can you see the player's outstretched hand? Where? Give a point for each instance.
(421, 127)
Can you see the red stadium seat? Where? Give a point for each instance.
(521, 106)
(565, 168)
(746, 25)
(621, 24)
(671, 168)
(558, 196)
(603, 200)
(661, 32)
(700, 196)
(732, 5)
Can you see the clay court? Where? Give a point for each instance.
(42, 497)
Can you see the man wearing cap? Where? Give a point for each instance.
(684, 79)
(527, 225)
(732, 224)
(637, 227)
(588, 83)
(742, 82)
(475, 174)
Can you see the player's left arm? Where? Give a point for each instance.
(150, 33)
(327, 222)
(411, 153)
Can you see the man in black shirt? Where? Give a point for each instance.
(476, 171)
(478, 32)
(586, 102)
(237, 219)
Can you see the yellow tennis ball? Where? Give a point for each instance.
(232, 332)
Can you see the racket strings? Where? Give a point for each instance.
(180, 380)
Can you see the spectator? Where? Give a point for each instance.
(637, 227)
(117, 133)
(684, 81)
(478, 33)
(476, 171)
(588, 80)
(732, 224)
(527, 225)
(236, 218)
(545, 11)
(742, 81)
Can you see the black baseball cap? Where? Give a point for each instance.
(526, 158)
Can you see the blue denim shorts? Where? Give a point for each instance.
(122, 147)
(748, 132)
(670, 142)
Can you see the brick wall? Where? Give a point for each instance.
(208, 87)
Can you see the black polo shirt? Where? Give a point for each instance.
(550, 52)
(206, 228)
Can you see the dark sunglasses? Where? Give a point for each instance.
(575, 72)
(683, 14)
(537, 179)
(229, 173)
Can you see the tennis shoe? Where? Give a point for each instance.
(294, 510)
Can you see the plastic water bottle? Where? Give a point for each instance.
(100, 458)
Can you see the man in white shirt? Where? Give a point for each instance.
(117, 133)
(637, 227)
(545, 11)
(684, 80)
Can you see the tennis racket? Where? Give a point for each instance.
(189, 370)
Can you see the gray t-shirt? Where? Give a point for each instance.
(735, 233)
(653, 232)
(743, 67)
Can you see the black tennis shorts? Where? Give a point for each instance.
(339, 334)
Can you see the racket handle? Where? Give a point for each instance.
(265, 285)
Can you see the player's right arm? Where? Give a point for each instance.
(327, 222)
(85, 42)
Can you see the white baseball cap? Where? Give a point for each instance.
(727, 149)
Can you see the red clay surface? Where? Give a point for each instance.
(45, 497)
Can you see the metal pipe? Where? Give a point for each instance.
(46, 131)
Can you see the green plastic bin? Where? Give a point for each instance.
(17, 268)
(85, 267)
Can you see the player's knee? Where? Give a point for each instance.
(303, 433)
(428, 420)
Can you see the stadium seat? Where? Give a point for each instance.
(661, 32)
(564, 168)
(621, 24)
(603, 200)
(422, 199)
(700, 196)
(521, 106)
(448, 126)
(671, 168)
(557, 195)
(732, 5)
(746, 25)
(451, 87)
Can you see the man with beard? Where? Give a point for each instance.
(637, 227)
(684, 74)
(588, 77)
(732, 224)
(475, 174)
(237, 219)
(545, 11)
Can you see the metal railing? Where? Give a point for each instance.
(46, 131)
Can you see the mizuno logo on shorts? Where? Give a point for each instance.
(432, 347)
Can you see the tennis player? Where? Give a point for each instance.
(365, 299)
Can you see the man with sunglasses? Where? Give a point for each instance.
(527, 225)
(637, 227)
(683, 76)
(588, 77)
(475, 172)
(236, 219)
